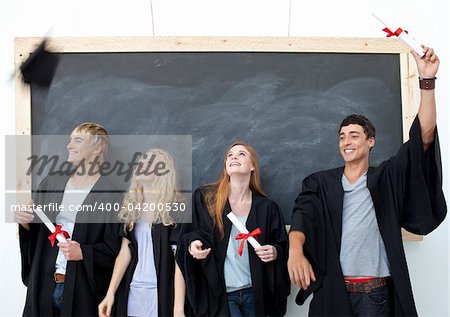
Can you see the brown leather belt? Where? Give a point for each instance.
(365, 287)
(59, 278)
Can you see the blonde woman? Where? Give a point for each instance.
(222, 278)
(142, 283)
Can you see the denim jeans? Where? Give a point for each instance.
(375, 303)
(58, 299)
(241, 303)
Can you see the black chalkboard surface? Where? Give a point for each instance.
(288, 106)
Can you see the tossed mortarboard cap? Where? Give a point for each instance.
(40, 67)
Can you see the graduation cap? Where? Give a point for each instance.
(40, 66)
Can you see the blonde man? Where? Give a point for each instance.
(70, 278)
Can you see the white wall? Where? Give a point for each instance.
(427, 20)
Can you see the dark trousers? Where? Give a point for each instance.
(58, 299)
(375, 303)
(241, 303)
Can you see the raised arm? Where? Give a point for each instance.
(427, 66)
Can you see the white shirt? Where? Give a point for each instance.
(72, 199)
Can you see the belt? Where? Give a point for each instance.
(365, 287)
(59, 278)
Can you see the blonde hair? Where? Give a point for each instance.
(217, 194)
(100, 136)
(165, 185)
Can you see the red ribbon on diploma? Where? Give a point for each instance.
(245, 236)
(396, 33)
(58, 230)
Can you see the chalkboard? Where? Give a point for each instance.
(287, 105)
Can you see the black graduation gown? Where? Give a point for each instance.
(406, 191)
(87, 280)
(165, 269)
(205, 282)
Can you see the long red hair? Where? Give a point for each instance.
(217, 195)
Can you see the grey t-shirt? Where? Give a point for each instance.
(143, 295)
(362, 248)
(237, 268)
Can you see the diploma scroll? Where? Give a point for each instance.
(242, 229)
(403, 36)
(38, 210)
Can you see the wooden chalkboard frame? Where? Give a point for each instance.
(24, 46)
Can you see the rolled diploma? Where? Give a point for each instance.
(38, 210)
(409, 40)
(405, 38)
(242, 229)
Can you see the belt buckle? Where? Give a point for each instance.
(350, 287)
(369, 286)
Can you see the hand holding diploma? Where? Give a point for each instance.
(427, 63)
(266, 252)
(71, 250)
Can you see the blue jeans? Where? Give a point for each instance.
(58, 299)
(241, 303)
(374, 303)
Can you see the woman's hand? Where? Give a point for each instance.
(266, 253)
(195, 249)
(104, 308)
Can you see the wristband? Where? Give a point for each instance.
(427, 83)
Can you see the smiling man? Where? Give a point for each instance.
(345, 239)
(70, 278)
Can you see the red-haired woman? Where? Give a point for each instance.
(219, 281)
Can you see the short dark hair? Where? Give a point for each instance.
(369, 129)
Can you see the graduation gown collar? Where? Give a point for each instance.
(251, 218)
